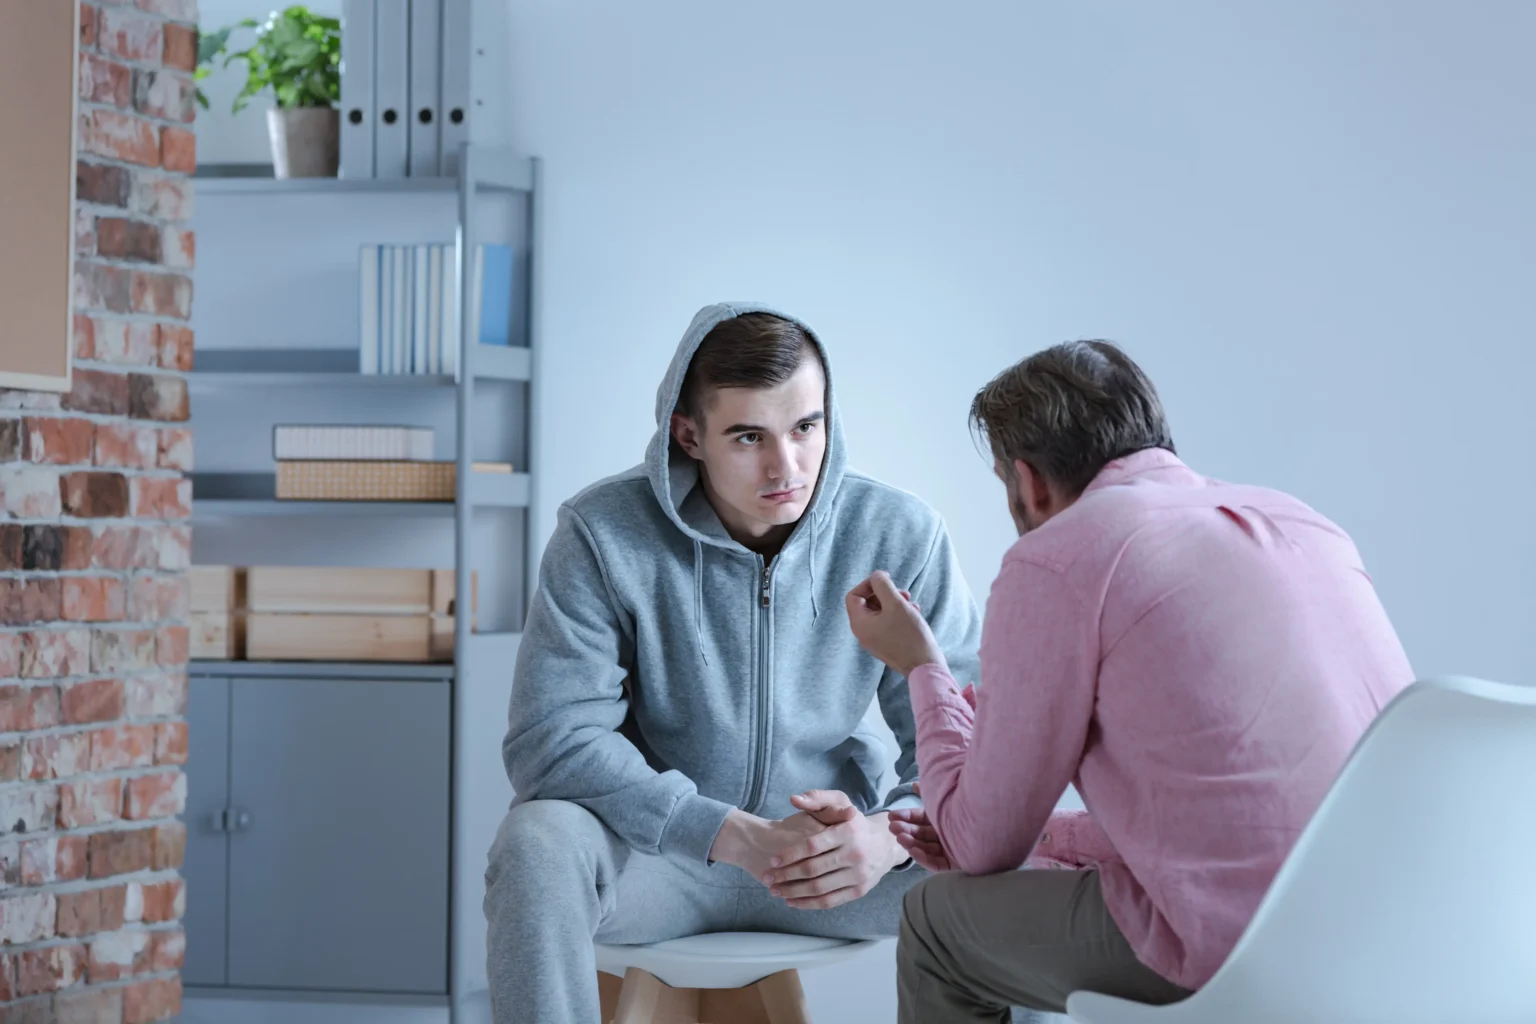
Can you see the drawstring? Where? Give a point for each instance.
(698, 597)
(815, 607)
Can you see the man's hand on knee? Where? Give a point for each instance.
(838, 864)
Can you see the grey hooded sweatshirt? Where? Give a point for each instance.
(668, 674)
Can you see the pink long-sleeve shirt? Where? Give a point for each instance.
(1199, 658)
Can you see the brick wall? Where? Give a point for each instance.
(94, 542)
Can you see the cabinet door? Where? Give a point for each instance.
(207, 843)
(339, 866)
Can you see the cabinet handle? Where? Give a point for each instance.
(217, 821)
(242, 820)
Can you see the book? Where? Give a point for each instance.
(408, 305)
(294, 441)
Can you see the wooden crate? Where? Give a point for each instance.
(216, 588)
(352, 591)
(279, 636)
(217, 635)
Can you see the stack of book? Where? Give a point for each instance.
(408, 309)
(363, 463)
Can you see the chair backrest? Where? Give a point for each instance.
(1411, 896)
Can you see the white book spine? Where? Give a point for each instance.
(387, 292)
(434, 309)
(297, 441)
(401, 337)
(452, 265)
(420, 308)
(368, 310)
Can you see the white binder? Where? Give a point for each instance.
(425, 86)
(357, 121)
(391, 91)
(457, 53)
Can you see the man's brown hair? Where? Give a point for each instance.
(1069, 410)
(754, 350)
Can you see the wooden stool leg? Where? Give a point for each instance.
(645, 1000)
(783, 998)
(732, 1006)
(608, 987)
(777, 999)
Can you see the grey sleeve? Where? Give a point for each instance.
(568, 701)
(940, 590)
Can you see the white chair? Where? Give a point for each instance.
(722, 978)
(1410, 898)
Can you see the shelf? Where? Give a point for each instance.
(254, 494)
(493, 171)
(428, 671)
(247, 180)
(324, 367)
(499, 490)
(494, 645)
(503, 362)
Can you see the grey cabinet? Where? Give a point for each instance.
(206, 868)
(335, 834)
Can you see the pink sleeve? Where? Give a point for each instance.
(1072, 839)
(991, 776)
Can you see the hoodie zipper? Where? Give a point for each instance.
(759, 759)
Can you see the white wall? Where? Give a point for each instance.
(1312, 222)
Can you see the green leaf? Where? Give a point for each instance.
(297, 54)
(210, 45)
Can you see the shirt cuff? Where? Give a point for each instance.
(934, 691)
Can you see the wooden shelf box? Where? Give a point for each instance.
(216, 602)
(324, 613)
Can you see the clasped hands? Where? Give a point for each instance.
(825, 855)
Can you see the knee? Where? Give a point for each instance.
(539, 837)
(924, 904)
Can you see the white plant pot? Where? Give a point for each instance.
(305, 141)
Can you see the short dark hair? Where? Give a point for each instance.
(1069, 410)
(754, 350)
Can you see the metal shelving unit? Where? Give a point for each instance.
(481, 670)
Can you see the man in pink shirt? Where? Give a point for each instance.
(1198, 657)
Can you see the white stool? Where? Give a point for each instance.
(721, 978)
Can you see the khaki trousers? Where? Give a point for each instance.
(972, 946)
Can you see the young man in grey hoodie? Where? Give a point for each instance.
(688, 701)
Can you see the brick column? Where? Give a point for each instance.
(94, 544)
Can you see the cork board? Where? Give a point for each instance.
(39, 85)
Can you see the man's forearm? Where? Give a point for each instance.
(895, 854)
(733, 843)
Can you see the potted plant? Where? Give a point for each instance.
(297, 54)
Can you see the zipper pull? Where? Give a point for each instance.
(764, 592)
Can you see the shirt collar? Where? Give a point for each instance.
(1128, 468)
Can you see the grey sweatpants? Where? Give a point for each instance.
(973, 946)
(558, 878)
